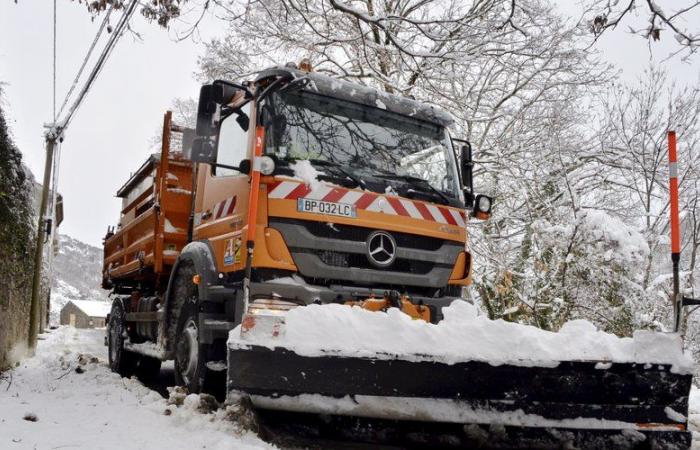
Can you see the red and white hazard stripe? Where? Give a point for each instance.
(224, 208)
(368, 201)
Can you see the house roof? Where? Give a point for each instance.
(93, 308)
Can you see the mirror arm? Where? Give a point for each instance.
(226, 166)
(248, 93)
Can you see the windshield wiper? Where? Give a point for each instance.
(322, 162)
(414, 180)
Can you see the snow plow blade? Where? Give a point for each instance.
(417, 402)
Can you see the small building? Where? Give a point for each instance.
(85, 313)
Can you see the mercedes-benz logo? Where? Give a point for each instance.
(381, 249)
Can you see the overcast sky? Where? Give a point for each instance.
(109, 136)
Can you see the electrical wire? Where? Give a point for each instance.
(61, 127)
(104, 23)
(116, 34)
(54, 61)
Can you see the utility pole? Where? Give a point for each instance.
(55, 135)
(52, 137)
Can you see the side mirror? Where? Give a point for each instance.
(211, 97)
(467, 170)
(203, 150)
(207, 108)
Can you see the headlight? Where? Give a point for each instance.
(266, 165)
(271, 306)
(265, 318)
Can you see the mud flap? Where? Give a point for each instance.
(580, 404)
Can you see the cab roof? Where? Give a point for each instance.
(365, 95)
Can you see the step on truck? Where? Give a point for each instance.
(300, 189)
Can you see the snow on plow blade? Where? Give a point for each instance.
(416, 402)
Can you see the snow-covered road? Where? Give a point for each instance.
(93, 408)
(96, 409)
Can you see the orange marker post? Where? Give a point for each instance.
(255, 183)
(253, 210)
(675, 226)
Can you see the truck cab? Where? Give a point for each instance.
(309, 189)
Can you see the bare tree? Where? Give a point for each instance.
(607, 15)
(514, 77)
(383, 19)
(519, 79)
(633, 175)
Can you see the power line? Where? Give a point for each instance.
(116, 34)
(104, 23)
(54, 60)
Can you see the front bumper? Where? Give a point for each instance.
(297, 290)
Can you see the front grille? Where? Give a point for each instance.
(340, 259)
(359, 234)
(324, 251)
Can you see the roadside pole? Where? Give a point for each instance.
(52, 137)
(675, 229)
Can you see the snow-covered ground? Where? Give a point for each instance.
(93, 408)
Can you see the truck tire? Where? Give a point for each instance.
(121, 361)
(190, 353)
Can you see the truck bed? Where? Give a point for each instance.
(154, 218)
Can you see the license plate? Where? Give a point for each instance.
(326, 208)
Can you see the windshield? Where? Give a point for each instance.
(377, 149)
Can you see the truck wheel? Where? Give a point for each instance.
(121, 361)
(190, 354)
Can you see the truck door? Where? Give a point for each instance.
(222, 193)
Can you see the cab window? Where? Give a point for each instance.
(232, 143)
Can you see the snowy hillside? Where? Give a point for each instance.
(77, 274)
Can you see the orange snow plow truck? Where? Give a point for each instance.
(297, 188)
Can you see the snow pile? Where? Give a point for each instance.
(463, 335)
(170, 228)
(79, 403)
(180, 191)
(304, 171)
